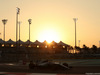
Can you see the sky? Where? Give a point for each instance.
(53, 20)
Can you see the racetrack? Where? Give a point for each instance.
(73, 70)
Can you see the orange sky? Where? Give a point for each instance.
(53, 17)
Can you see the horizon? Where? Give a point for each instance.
(53, 20)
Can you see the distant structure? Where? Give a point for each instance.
(36, 50)
(36, 44)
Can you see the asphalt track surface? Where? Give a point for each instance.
(73, 70)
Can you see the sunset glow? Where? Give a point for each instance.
(49, 36)
(52, 20)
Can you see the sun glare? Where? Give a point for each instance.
(49, 36)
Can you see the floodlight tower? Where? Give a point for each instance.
(18, 11)
(30, 21)
(75, 19)
(4, 21)
(19, 31)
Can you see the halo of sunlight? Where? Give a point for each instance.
(49, 36)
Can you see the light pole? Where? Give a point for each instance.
(99, 44)
(18, 11)
(19, 32)
(30, 21)
(75, 19)
(79, 42)
(4, 22)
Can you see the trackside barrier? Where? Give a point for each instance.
(92, 73)
(13, 73)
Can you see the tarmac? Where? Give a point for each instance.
(73, 70)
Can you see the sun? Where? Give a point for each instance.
(49, 36)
